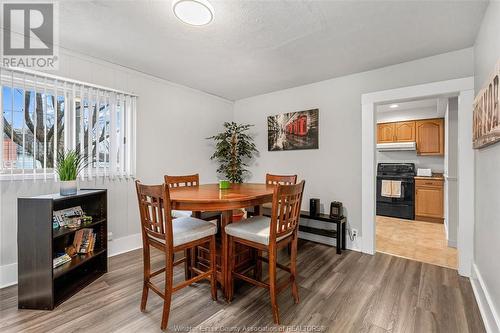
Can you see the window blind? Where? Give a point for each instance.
(43, 115)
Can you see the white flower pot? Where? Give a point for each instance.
(68, 187)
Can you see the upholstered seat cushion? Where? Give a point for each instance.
(188, 229)
(181, 213)
(255, 229)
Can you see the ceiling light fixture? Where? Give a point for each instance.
(193, 12)
(393, 106)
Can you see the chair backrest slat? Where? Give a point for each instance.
(180, 181)
(285, 216)
(155, 213)
(281, 179)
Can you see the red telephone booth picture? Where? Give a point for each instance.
(296, 130)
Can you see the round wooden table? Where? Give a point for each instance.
(210, 198)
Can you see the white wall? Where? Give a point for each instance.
(333, 172)
(172, 124)
(436, 163)
(404, 115)
(487, 226)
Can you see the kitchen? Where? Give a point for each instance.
(416, 180)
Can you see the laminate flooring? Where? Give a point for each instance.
(352, 292)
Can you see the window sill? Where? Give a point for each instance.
(52, 177)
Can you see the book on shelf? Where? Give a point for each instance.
(84, 240)
(60, 260)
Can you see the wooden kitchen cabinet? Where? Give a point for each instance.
(427, 133)
(430, 137)
(404, 131)
(429, 199)
(385, 133)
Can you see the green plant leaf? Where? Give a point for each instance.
(233, 148)
(69, 164)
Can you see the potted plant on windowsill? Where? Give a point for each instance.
(234, 147)
(69, 165)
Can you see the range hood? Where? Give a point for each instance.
(396, 146)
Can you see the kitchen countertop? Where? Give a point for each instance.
(435, 176)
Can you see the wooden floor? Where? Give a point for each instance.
(352, 292)
(416, 240)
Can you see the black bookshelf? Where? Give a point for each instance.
(39, 285)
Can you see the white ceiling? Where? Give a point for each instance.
(411, 105)
(255, 47)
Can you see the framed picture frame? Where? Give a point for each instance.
(486, 113)
(293, 131)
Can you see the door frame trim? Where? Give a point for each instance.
(464, 89)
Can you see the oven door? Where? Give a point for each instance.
(407, 190)
(403, 207)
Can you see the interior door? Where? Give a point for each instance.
(405, 131)
(385, 133)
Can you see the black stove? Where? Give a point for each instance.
(403, 206)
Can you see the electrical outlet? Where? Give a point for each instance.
(110, 236)
(354, 232)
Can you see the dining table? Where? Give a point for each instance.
(210, 198)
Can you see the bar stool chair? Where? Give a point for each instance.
(273, 180)
(198, 254)
(281, 179)
(270, 234)
(190, 180)
(169, 235)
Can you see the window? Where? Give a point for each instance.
(44, 115)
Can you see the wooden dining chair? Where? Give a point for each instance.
(180, 181)
(169, 235)
(281, 179)
(198, 254)
(269, 235)
(190, 180)
(273, 180)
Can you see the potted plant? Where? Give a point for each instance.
(69, 165)
(233, 148)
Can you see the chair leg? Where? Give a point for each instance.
(187, 264)
(147, 272)
(230, 283)
(272, 284)
(169, 276)
(213, 268)
(257, 272)
(293, 270)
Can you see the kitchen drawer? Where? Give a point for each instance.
(428, 182)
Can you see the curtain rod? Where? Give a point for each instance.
(63, 79)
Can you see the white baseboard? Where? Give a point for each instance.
(490, 315)
(452, 243)
(330, 241)
(124, 244)
(8, 273)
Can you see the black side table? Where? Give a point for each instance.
(339, 234)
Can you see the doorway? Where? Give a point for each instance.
(416, 154)
(462, 89)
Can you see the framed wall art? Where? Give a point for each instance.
(293, 131)
(486, 121)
